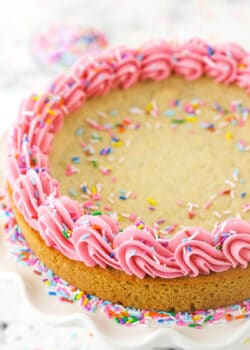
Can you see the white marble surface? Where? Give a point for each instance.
(124, 22)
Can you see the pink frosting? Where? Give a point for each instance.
(93, 238)
(31, 191)
(197, 45)
(57, 216)
(156, 60)
(94, 75)
(125, 66)
(223, 64)
(96, 240)
(70, 92)
(234, 237)
(18, 163)
(38, 122)
(140, 254)
(189, 62)
(221, 67)
(195, 253)
(232, 50)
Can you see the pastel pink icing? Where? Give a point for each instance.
(69, 91)
(125, 65)
(58, 215)
(196, 254)
(140, 254)
(189, 62)
(221, 67)
(38, 121)
(156, 60)
(31, 191)
(235, 237)
(94, 76)
(19, 162)
(93, 239)
(96, 240)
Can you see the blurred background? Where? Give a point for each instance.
(23, 70)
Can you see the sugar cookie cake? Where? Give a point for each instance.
(129, 175)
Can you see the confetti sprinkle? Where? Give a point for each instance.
(152, 109)
(152, 201)
(95, 163)
(71, 170)
(60, 46)
(242, 146)
(105, 151)
(76, 160)
(191, 214)
(79, 131)
(72, 192)
(96, 213)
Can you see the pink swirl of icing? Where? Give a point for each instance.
(197, 45)
(233, 237)
(195, 254)
(156, 60)
(19, 162)
(95, 76)
(39, 119)
(221, 67)
(30, 191)
(93, 238)
(237, 249)
(189, 59)
(69, 91)
(125, 67)
(140, 254)
(232, 50)
(56, 221)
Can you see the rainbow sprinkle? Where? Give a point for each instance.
(61, 45)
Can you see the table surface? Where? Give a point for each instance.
(124, 22)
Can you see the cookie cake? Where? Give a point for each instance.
(129, 175)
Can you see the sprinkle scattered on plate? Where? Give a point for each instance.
(60, 46)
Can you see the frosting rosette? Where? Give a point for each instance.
(94, 76)
(197, 45)
(30, 191)
(39, 119)
(189, 60)
(195, 253)
(56, 221)
(140, 254)
(156, 60)
(93, 239)
(232, 50)
(125, 66)
(19, 162)
(233, 238)
(221, 67)
(68, 91)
